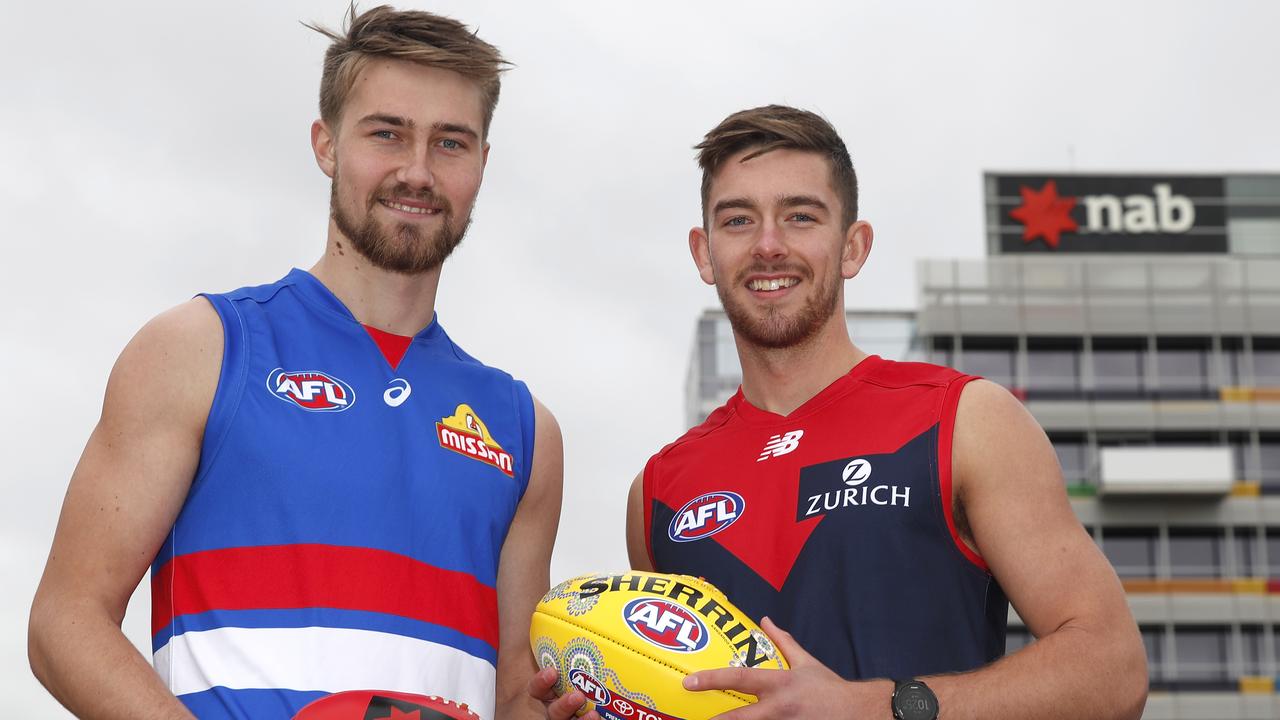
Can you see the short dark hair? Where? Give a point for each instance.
(413, 35)
(778, 127)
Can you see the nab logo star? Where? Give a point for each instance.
(1044, 214)
(781, 445)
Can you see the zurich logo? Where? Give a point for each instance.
(705, 516)
(665, 624)
(856, 472)
(311, 390)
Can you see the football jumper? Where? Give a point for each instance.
(836, 522)
(343, 528)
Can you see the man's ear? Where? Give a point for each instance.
(857, 246)
(322, 144)
(700, 248)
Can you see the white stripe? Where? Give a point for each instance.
(324, 659)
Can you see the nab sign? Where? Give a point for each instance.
(1106, 214)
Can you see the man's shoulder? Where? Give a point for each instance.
(896, 374)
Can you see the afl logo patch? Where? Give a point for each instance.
(705, 516)
(311, 390)
(665, 624)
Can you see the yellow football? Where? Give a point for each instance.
(627, 641)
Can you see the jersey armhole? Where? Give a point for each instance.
(528, 428)
(231, 382)
(646, 499)
(946, 430)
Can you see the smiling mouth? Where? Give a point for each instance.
(771, 284)
(411, 209)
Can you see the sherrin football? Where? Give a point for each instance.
(628, 640)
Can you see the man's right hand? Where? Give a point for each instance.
(542, 688)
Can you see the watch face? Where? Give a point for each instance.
(915, 701)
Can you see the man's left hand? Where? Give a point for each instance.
(808, 690)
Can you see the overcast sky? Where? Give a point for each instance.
(149, 151)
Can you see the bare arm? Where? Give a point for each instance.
(123, 497)
(525, 568)
(637, 547)
(1088, 661)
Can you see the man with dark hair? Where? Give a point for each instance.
(880, 511)
(330, 493)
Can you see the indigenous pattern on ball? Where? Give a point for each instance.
(627, 641)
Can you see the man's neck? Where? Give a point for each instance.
(391, 302)
(779, 380)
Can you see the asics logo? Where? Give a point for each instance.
(781, 445)
(397, 393)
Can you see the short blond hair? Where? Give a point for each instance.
(413, 35)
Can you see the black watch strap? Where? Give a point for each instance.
(913, 700)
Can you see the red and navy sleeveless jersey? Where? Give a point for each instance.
(836, 522)
(344, 526)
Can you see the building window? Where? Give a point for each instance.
(1231, 367)
(1244, 550)
(1269, 462)
(1266, 361)
(941, 351)
(1153, 641)
(1201, 653)
(1251, 637)
(1182, 367)
(1119, 366)
(1195, 553)
(1242, 461)
(1132, 551)
(1273, 552)
(1072, 456)
(1053, 367)
(989, 357)
(1016, 639)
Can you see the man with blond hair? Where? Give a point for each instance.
(881, 512)
(330, 493)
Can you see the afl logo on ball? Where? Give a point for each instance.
(311, 390)
(665, 624)
(705, 516)
(595, 690)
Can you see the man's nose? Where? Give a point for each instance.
(416, 170)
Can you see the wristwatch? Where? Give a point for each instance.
(913, 700)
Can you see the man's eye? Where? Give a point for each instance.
(737, 220)
(384, 134)
(802, 217)
(451, 144)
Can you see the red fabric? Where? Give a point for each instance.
(300, 576)
(393, 346)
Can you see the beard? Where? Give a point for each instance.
(401, 247)
(770, 327)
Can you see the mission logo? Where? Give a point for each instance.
(466, 434)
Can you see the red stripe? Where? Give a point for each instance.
(271, 577)
(947, 426)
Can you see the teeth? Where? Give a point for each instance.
(408, 209)
(772, 284)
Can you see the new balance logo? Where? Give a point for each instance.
(781, 445)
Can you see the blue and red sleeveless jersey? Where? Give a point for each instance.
(836, 522)
(344, 525)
